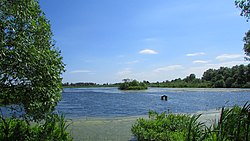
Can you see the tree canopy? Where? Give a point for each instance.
(30, 65)
(244, 6)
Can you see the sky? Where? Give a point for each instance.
(105, 41)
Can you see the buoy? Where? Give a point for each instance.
(164, 97)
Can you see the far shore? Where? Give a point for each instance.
(118, 128)
(171, 88)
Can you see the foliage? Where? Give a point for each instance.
(246, 47)
(235, 77)
(30, 65)
(244, 5)
(168, 127)
(132, 85)
(30, 70)
(233, 125)
(53, 128)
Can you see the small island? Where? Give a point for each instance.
(130, 84)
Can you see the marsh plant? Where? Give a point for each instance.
(52, 128)
(233, 125)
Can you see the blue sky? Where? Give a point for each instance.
(105, 41)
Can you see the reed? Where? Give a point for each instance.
(233, 125)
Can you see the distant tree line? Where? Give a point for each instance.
(79, 84)
(236, 77)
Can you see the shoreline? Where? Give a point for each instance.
(118, 128)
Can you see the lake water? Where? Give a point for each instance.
(111, 102)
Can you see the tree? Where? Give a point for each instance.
(208, 75)
(241, 79)
(246, 47)
(30, 65)
(219, 84)
(244, 6)
(190, 78)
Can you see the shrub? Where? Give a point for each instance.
(53, 127)
(168, 127)
(233, 125)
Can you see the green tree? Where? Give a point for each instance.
(248, 73)
(190, 78)
(219, 84)
(246, 47)
(30, 65)
(241, 79)
(208, 75)
(244, 6)
(229, 81)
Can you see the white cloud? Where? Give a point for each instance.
(169, 68)
(148, 51)
(224, 57)
(195, 54)
(80, 71)
(200, 62)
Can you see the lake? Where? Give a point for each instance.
(111, 102)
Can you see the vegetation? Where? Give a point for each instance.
(233, 125)
(236, 77)
(30, 66)
(189, 82)
(30, 70)
(132, 85)
(244, 5)
(88, 84)
(52, 128)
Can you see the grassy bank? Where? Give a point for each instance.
(232, 125)
(225, 124)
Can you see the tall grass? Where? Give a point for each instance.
(233, 125)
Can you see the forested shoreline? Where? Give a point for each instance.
(235, 77)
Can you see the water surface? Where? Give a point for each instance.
(111, 102)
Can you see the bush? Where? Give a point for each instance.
(233, 125)
(52, 128)
(168, 127)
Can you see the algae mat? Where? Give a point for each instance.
(102, 129)
(119, 129)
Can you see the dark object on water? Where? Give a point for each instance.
(164, 97)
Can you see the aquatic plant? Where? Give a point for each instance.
(233, 125)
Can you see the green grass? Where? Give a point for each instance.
(233, 125)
